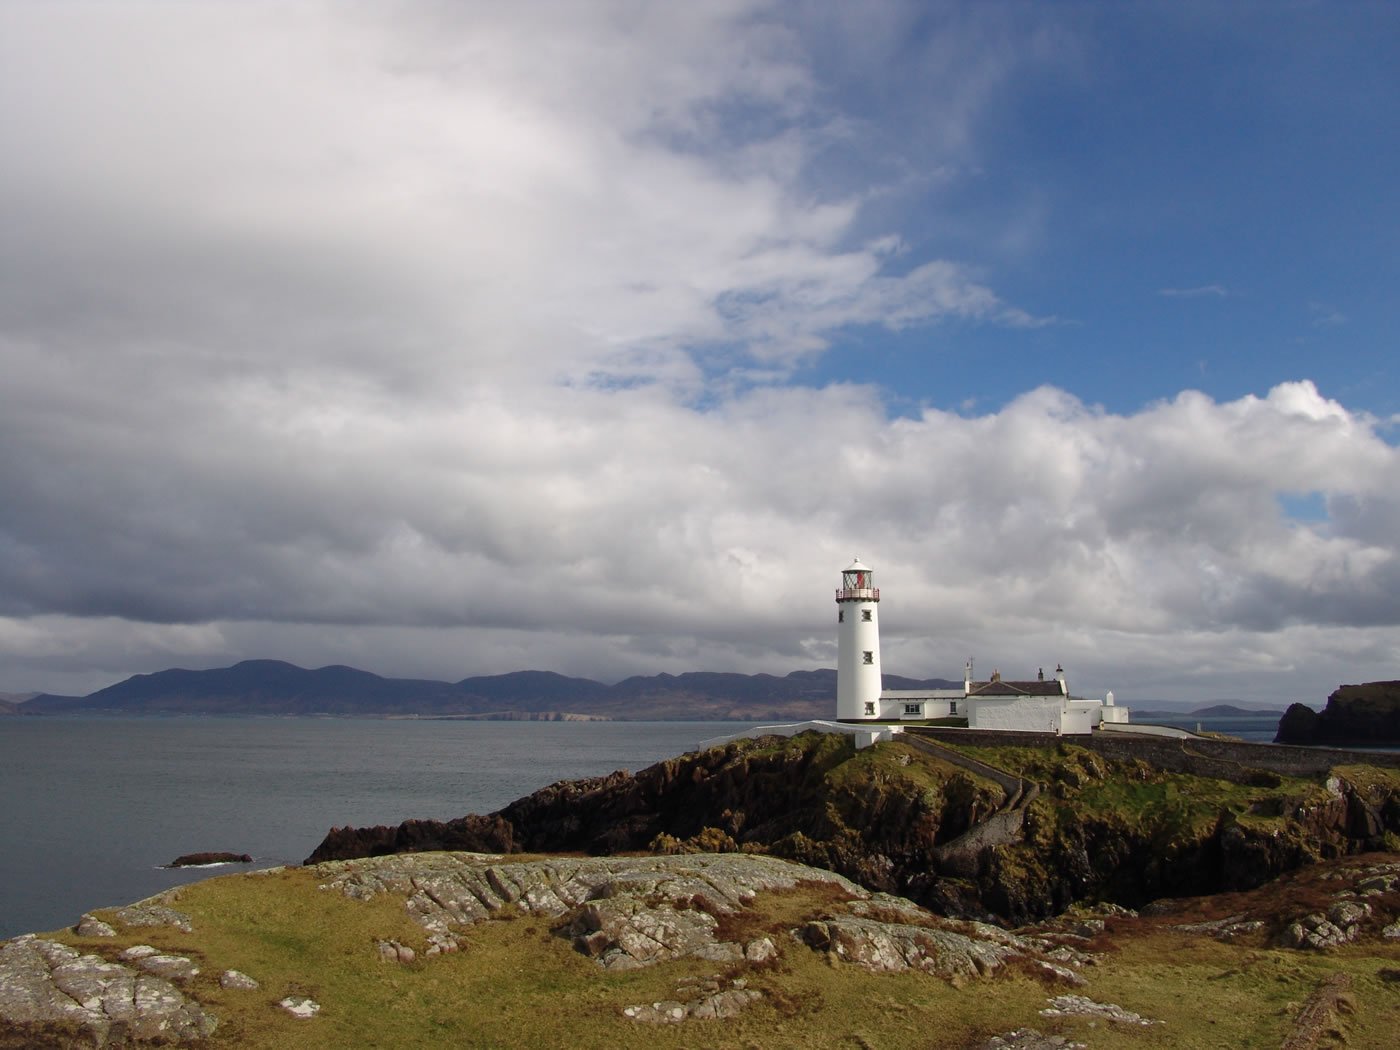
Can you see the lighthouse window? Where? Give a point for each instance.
(868, 656)
(840, 615)
(865, 615)
(869, 707)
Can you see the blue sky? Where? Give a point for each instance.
(1076, 321)
(1198, 195)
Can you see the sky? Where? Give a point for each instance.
(450, 338)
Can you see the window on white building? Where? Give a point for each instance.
(868, 656)
(870, 707)
(865, 615)
(915, 710)
(840, 615)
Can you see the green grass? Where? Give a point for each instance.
(1086, 785)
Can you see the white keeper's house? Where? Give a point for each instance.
(1042, 705)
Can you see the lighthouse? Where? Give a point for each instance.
(858, 682)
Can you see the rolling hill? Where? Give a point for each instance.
(273, 687)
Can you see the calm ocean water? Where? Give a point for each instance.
(91, 807)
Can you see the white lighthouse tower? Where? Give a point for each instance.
(858, 682)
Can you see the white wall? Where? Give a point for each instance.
(1080, 716)
(1034, 714)
(933, 703)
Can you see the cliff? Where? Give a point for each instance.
(900, 819)
(1357, 715)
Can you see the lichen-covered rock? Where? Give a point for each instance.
(458, 889)
(1317, 932)
(393, 951)
(237, 981)
(44, 983)
(154, 912)
(1082, 1006)
(89, 926)
(629, 912)
(1229, 928)
(1030, 1039)
(171, 967)
(301, 1007)
(626, 932)
(1348, 913)
(761, 950)
(713, 1004)
(1313, 932)
(622, 911)
(440, 943)
(883, 947)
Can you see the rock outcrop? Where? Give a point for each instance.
(1357, 715)
(54, 989)
(630, 912)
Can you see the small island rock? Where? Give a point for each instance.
(193, 860)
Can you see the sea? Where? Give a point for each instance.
(92, 808)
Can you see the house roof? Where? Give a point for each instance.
(1001, 687)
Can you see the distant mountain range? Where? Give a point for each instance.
(271, 687)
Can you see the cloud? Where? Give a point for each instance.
(436, 342)
(1205, 291)
(608, 532)
(1324, 316)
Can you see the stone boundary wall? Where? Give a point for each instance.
(1009, 782)
(1201, 756)
(961, 856)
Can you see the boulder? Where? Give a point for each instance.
(88, 926)
(393, 951)
(302, 1007)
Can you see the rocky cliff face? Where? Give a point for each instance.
(886, 817)
(1357, 715)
